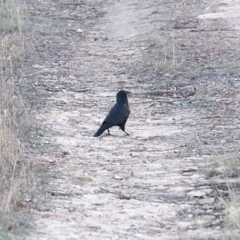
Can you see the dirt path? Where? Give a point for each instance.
(140, 186)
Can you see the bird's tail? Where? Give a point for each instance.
(101, 130)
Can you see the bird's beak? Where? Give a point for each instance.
(128, 92)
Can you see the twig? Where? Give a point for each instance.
(120, 195)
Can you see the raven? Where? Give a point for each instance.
(118, 114)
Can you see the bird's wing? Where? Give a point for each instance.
(118, 114)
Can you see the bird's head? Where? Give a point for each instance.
(122, 96)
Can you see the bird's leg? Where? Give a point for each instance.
(122, 127)
(126, 132)
(108, 133)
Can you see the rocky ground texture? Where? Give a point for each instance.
(163, 181)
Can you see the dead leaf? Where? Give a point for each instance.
(206, 201)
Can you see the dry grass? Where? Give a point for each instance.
(10, 15)
(231, 166)
(232, 218)
(13, 166)
(162, 52)
(226, 168)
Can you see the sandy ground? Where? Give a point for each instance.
(151, 184)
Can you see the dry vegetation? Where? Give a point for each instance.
(165, 56)
(13, 164)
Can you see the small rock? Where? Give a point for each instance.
(136, 216)
(66, 153)
(72, 77)
(117, 177)
(165, 183)
(10, 227)
(183, 225)
(37, 66)
(63, 102)
(79, 30)
(206, 201)
(86, 179)
(72, 209)
(196, 194)
(209, 217)
(207, 191)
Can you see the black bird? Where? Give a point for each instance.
(117, 115)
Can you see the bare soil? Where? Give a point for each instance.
(183, 71)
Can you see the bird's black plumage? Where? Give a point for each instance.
(117, 115)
